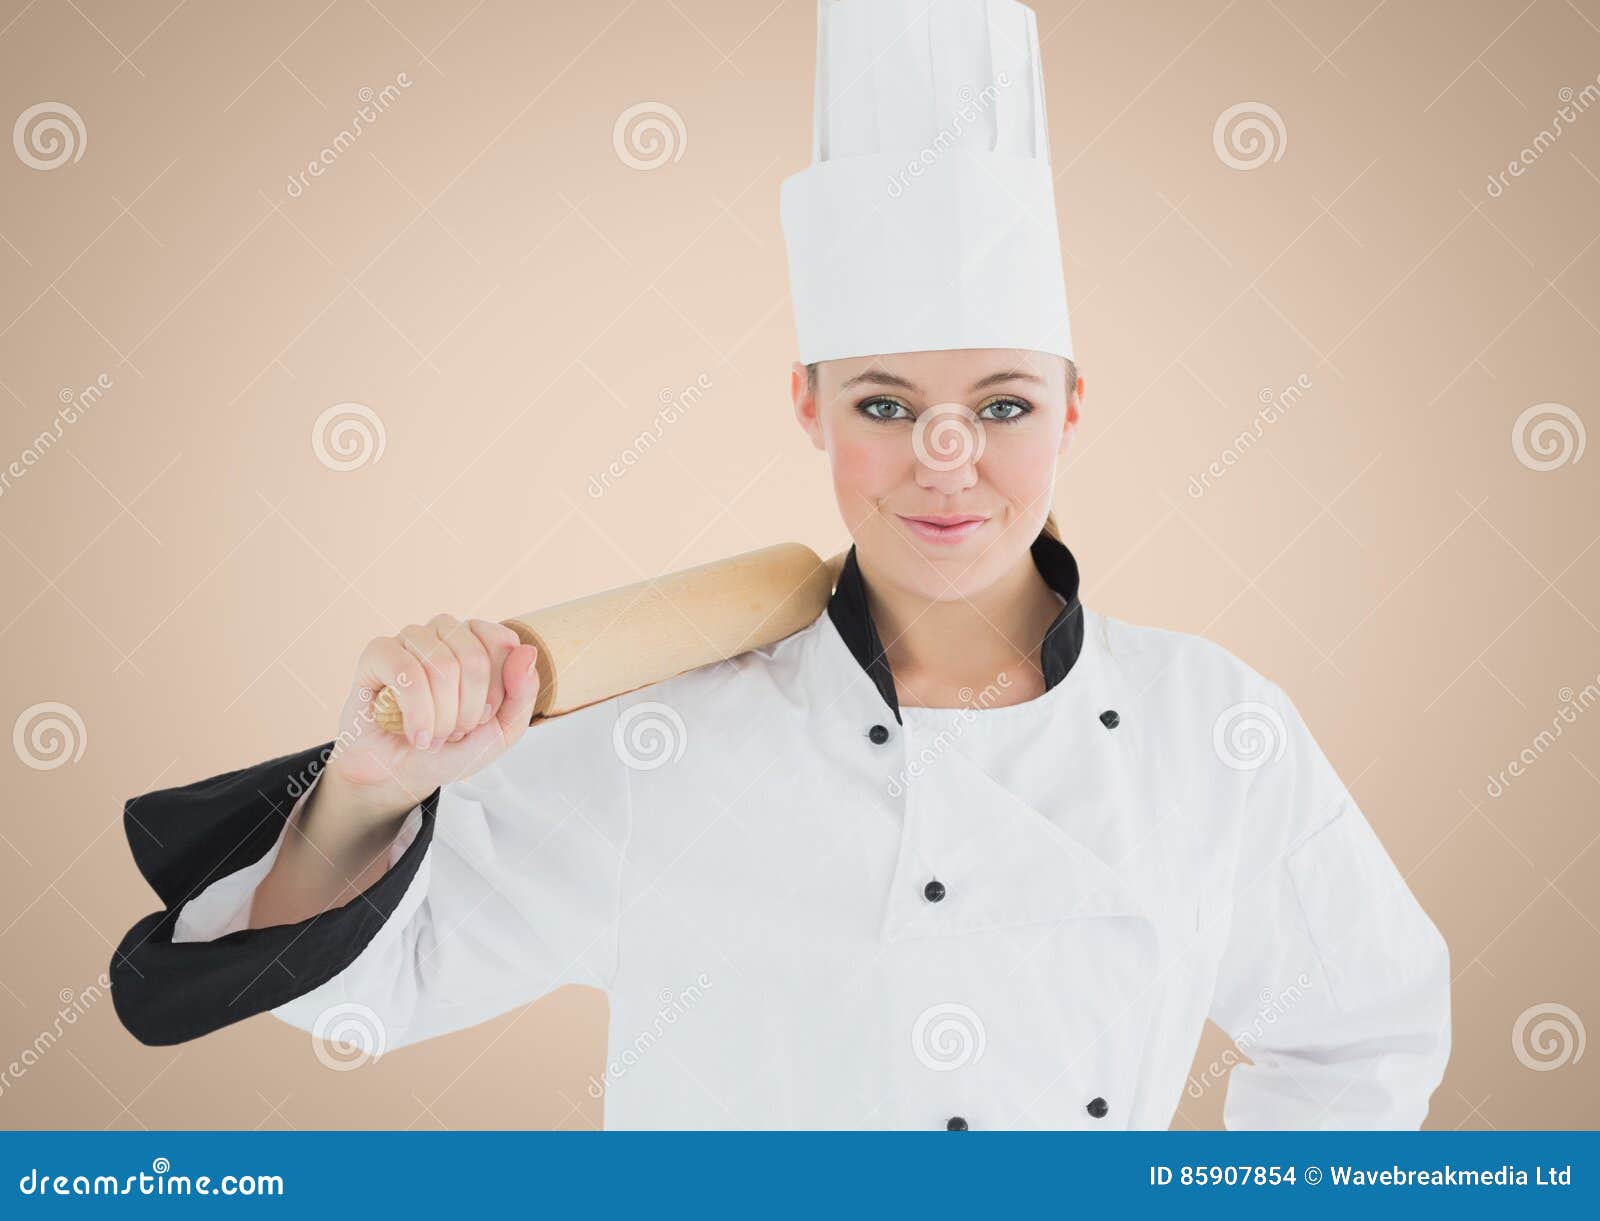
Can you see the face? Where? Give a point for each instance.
(943, 462)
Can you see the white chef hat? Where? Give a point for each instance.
(927, 218)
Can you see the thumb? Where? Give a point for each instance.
(520, 679)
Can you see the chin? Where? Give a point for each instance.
(936, 573)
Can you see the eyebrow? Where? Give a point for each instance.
(880, 377)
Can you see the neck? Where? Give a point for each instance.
(964, 641)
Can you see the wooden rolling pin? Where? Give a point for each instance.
(606, 644)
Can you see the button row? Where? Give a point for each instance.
(1097, 1107)
(879, 734)
(934, 891)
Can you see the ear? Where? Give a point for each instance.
(1074, 403)
(805, 404)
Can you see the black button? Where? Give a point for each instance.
(933, 891)
(955, 1124)
(1110, 719)
(1098, 1108)
(878, 734)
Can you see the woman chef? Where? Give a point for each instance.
(960, 854)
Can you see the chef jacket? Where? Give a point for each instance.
(811, 907)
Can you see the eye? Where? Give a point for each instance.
(1017, 407)
(866, 407)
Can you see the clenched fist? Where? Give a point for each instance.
(466, 692)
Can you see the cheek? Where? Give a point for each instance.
(1020, 469)
(868, 468)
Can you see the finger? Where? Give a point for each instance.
(444, 679)
(472, 660)
(385, 662)
(499, 640)
(500, 732)
(521, 679)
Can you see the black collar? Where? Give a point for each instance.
(1059, 649)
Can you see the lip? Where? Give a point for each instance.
(944, 527)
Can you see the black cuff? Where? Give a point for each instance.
(184, 839)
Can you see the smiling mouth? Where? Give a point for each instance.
(944, 528)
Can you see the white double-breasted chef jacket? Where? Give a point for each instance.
(812, 908)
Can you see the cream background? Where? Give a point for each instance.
(514, 303)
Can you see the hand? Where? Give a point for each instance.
(466, 692)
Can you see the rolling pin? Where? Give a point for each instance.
(610, 643)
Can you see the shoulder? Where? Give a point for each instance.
(1176, 666)
(1198, 696)
(773, 667)
(708, 689)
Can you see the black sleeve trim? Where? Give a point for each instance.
(183, 839)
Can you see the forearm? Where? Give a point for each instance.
(335, 848)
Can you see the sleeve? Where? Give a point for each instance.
(500, 888)
(1333, 981)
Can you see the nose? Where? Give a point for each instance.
(946, 442)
